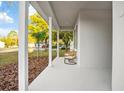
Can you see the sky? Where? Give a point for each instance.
(9, 16)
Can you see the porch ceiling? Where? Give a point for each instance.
(66, 12)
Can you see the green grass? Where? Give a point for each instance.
(7, 58)
(61, 52)
(12, 57)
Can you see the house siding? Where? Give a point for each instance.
(96, 38)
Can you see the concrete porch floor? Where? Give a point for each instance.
(63, 77)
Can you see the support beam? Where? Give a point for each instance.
(118, 46)
(74, 38)
(78, 40)
(58, 45)
(23, 46)
(50, 41)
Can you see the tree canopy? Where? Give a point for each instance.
(11, 39)
(38, 28)
(12, 34)
(66, 38)
(37, 24)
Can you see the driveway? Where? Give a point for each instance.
(8, 50)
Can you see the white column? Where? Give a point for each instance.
(78, 40)
(50, 41)
(118, 46)
(58, 45)
(23, 46)
(74, 38)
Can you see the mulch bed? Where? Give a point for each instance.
(9, 73)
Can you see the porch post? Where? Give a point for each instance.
(74, 38)
(50, 41)
(58, 45)
(23, 47)
(78, 40)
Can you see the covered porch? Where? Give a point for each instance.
(58, 75)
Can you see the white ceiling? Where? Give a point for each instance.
(66, 11)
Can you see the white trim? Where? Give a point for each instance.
(23, 46)
(39, 10)
(50, 41)
(78, 47)
(113, 45)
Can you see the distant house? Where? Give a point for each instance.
(2, 44)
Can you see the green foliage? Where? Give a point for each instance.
(8, 42)
(38, 29)
(11, 39)
(31, 39)
(66, 38)
(54, 39)
(37, 24)
(39, 36)
(54, 35)
(12, 34)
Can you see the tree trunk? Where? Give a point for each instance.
(45, 44)
(38, 51)
(66, 46)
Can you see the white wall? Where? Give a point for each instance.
(95, 38)
(118, 46)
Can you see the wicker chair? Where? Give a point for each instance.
(69, 57)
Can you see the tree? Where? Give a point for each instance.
(38, 28)
(8, 41)
(37, 24)
(66, 37)
(39, 36)
(13, 37)
(12, 34)
(31, 39)
(54, 38)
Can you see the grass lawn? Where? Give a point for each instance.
(7, 58)
(12, 57)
